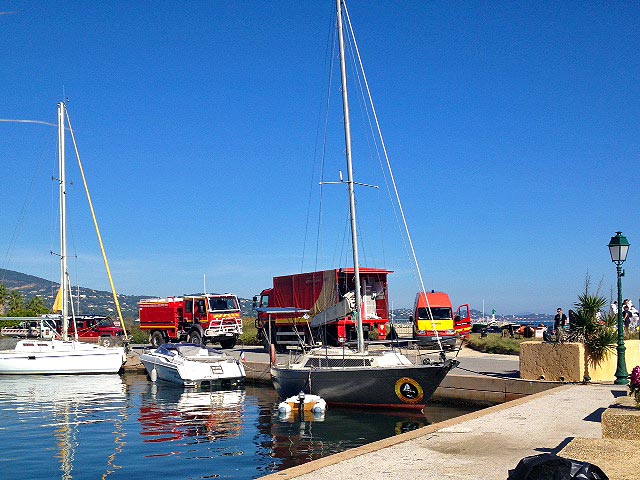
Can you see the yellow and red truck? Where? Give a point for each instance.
(318, 307)
(197, 319)
(433, 318)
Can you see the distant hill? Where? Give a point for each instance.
(97, 302)
(91, 302)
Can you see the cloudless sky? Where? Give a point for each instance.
(512, 128)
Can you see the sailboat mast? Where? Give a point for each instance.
(350, 181)
(63, 221)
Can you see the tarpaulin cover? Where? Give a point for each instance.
(315, 291)
(552, 467)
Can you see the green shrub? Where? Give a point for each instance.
(136, 335)
(249, 332)
(495, 343)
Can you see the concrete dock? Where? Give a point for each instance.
(527, 418)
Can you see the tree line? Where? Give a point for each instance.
(14, 304)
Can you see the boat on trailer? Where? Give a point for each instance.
(192, 365)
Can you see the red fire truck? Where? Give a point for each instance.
(435, 313)
(318, 306)
(195, 318)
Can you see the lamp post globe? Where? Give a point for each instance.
(619, 248)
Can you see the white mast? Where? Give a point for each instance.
(352, 198)
(63, 222)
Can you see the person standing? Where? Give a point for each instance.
(559, 322)
(626, 316)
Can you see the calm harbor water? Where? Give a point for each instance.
(125, 427)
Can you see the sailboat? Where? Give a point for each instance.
(363, 377)
(61, 355)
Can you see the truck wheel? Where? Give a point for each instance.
(107, 342)
(194, 337)
(156, 339)
(228, 342)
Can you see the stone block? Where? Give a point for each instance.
(618, 459)
(622, 420)
(558, 362)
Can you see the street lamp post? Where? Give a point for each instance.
(619, 247)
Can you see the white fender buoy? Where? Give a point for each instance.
(153, 375)
(320, 406)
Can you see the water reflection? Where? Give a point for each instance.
(114, 427)
(295, 443)
(170, 413)
(61, 405)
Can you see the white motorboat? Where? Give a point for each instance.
(192, 365)
(64, 355)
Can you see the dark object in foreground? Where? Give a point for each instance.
(552, 467)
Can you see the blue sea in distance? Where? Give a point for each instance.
(125, 427)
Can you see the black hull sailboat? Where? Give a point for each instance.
(381, 379)
(366, 376)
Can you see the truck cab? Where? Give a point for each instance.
(98, 329)
(433, 319)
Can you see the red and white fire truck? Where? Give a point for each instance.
(318, 307)
(194, 318)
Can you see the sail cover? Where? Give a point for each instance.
(314, 291)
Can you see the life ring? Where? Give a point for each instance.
(409, 390)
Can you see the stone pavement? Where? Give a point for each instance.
(482, 445)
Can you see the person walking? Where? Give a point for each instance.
(559, 322)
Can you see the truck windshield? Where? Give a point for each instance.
(224, 303)
(264, 301)
(442, 313)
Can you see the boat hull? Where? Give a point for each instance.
(402, 387)
(49, 357)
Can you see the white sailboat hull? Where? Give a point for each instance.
(49, 357)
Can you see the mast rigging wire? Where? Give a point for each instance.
(395, 188)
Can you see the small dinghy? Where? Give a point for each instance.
(192, 365)
(303, 405)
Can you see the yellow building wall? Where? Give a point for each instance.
(606, 370)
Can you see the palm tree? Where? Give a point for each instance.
(592, 327)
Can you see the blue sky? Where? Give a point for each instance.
(512, 128)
